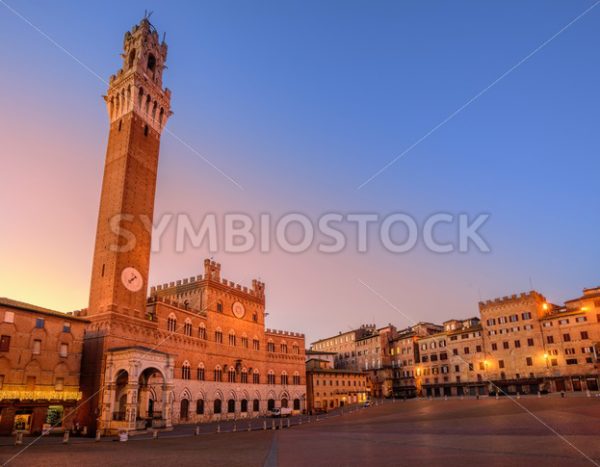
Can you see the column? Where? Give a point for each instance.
(167, 404)
(107, 406)
(131, 408)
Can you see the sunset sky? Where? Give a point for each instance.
(300, 102)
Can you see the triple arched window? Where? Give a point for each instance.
(186, 370)
(171, 323)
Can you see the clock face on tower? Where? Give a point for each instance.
(132, 279)
(238, 310)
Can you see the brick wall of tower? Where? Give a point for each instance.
(128, 190)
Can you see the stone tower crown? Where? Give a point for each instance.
(137, 86)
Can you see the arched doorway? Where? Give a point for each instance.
(296, 404)
(151, 398)
(217, 406)
(151, 408)
(270, 404)
(244, 406)
(200, 407)
(120, 407)
(231, 406)
(184, 409)
(284, 403)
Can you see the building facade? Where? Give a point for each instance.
(40, 361)
(196, 349)
(328, 388)
(364, 349)
(404, 354)
(522, 344)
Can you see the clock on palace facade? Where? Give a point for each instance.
(238, 310)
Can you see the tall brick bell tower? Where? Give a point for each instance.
(138, 109)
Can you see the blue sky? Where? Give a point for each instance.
(301, 102)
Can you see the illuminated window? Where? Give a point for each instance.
(59, 384)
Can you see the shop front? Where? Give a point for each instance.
(33, 413)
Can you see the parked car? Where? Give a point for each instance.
(281, 412)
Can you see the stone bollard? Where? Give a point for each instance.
(518, 395)
(155, 434)
(19, 438)
(280, 423)
(497, 396)
(249, 426)
(273, 424)
(234, 426)
(288, 422)
(445, 398)
(264, 424)
(98, 435)
(218, 428)
(462, 398)
(300, 421)
(84, 431)
(197, 431)
(66, 437)
(588, 393)
(539, 394)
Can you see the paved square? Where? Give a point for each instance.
(418, 432)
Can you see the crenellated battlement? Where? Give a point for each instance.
(212, 272)
(275, 332)
(512, 300)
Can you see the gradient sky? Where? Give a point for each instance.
(300, 102)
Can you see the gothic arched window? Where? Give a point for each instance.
(171, 323)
